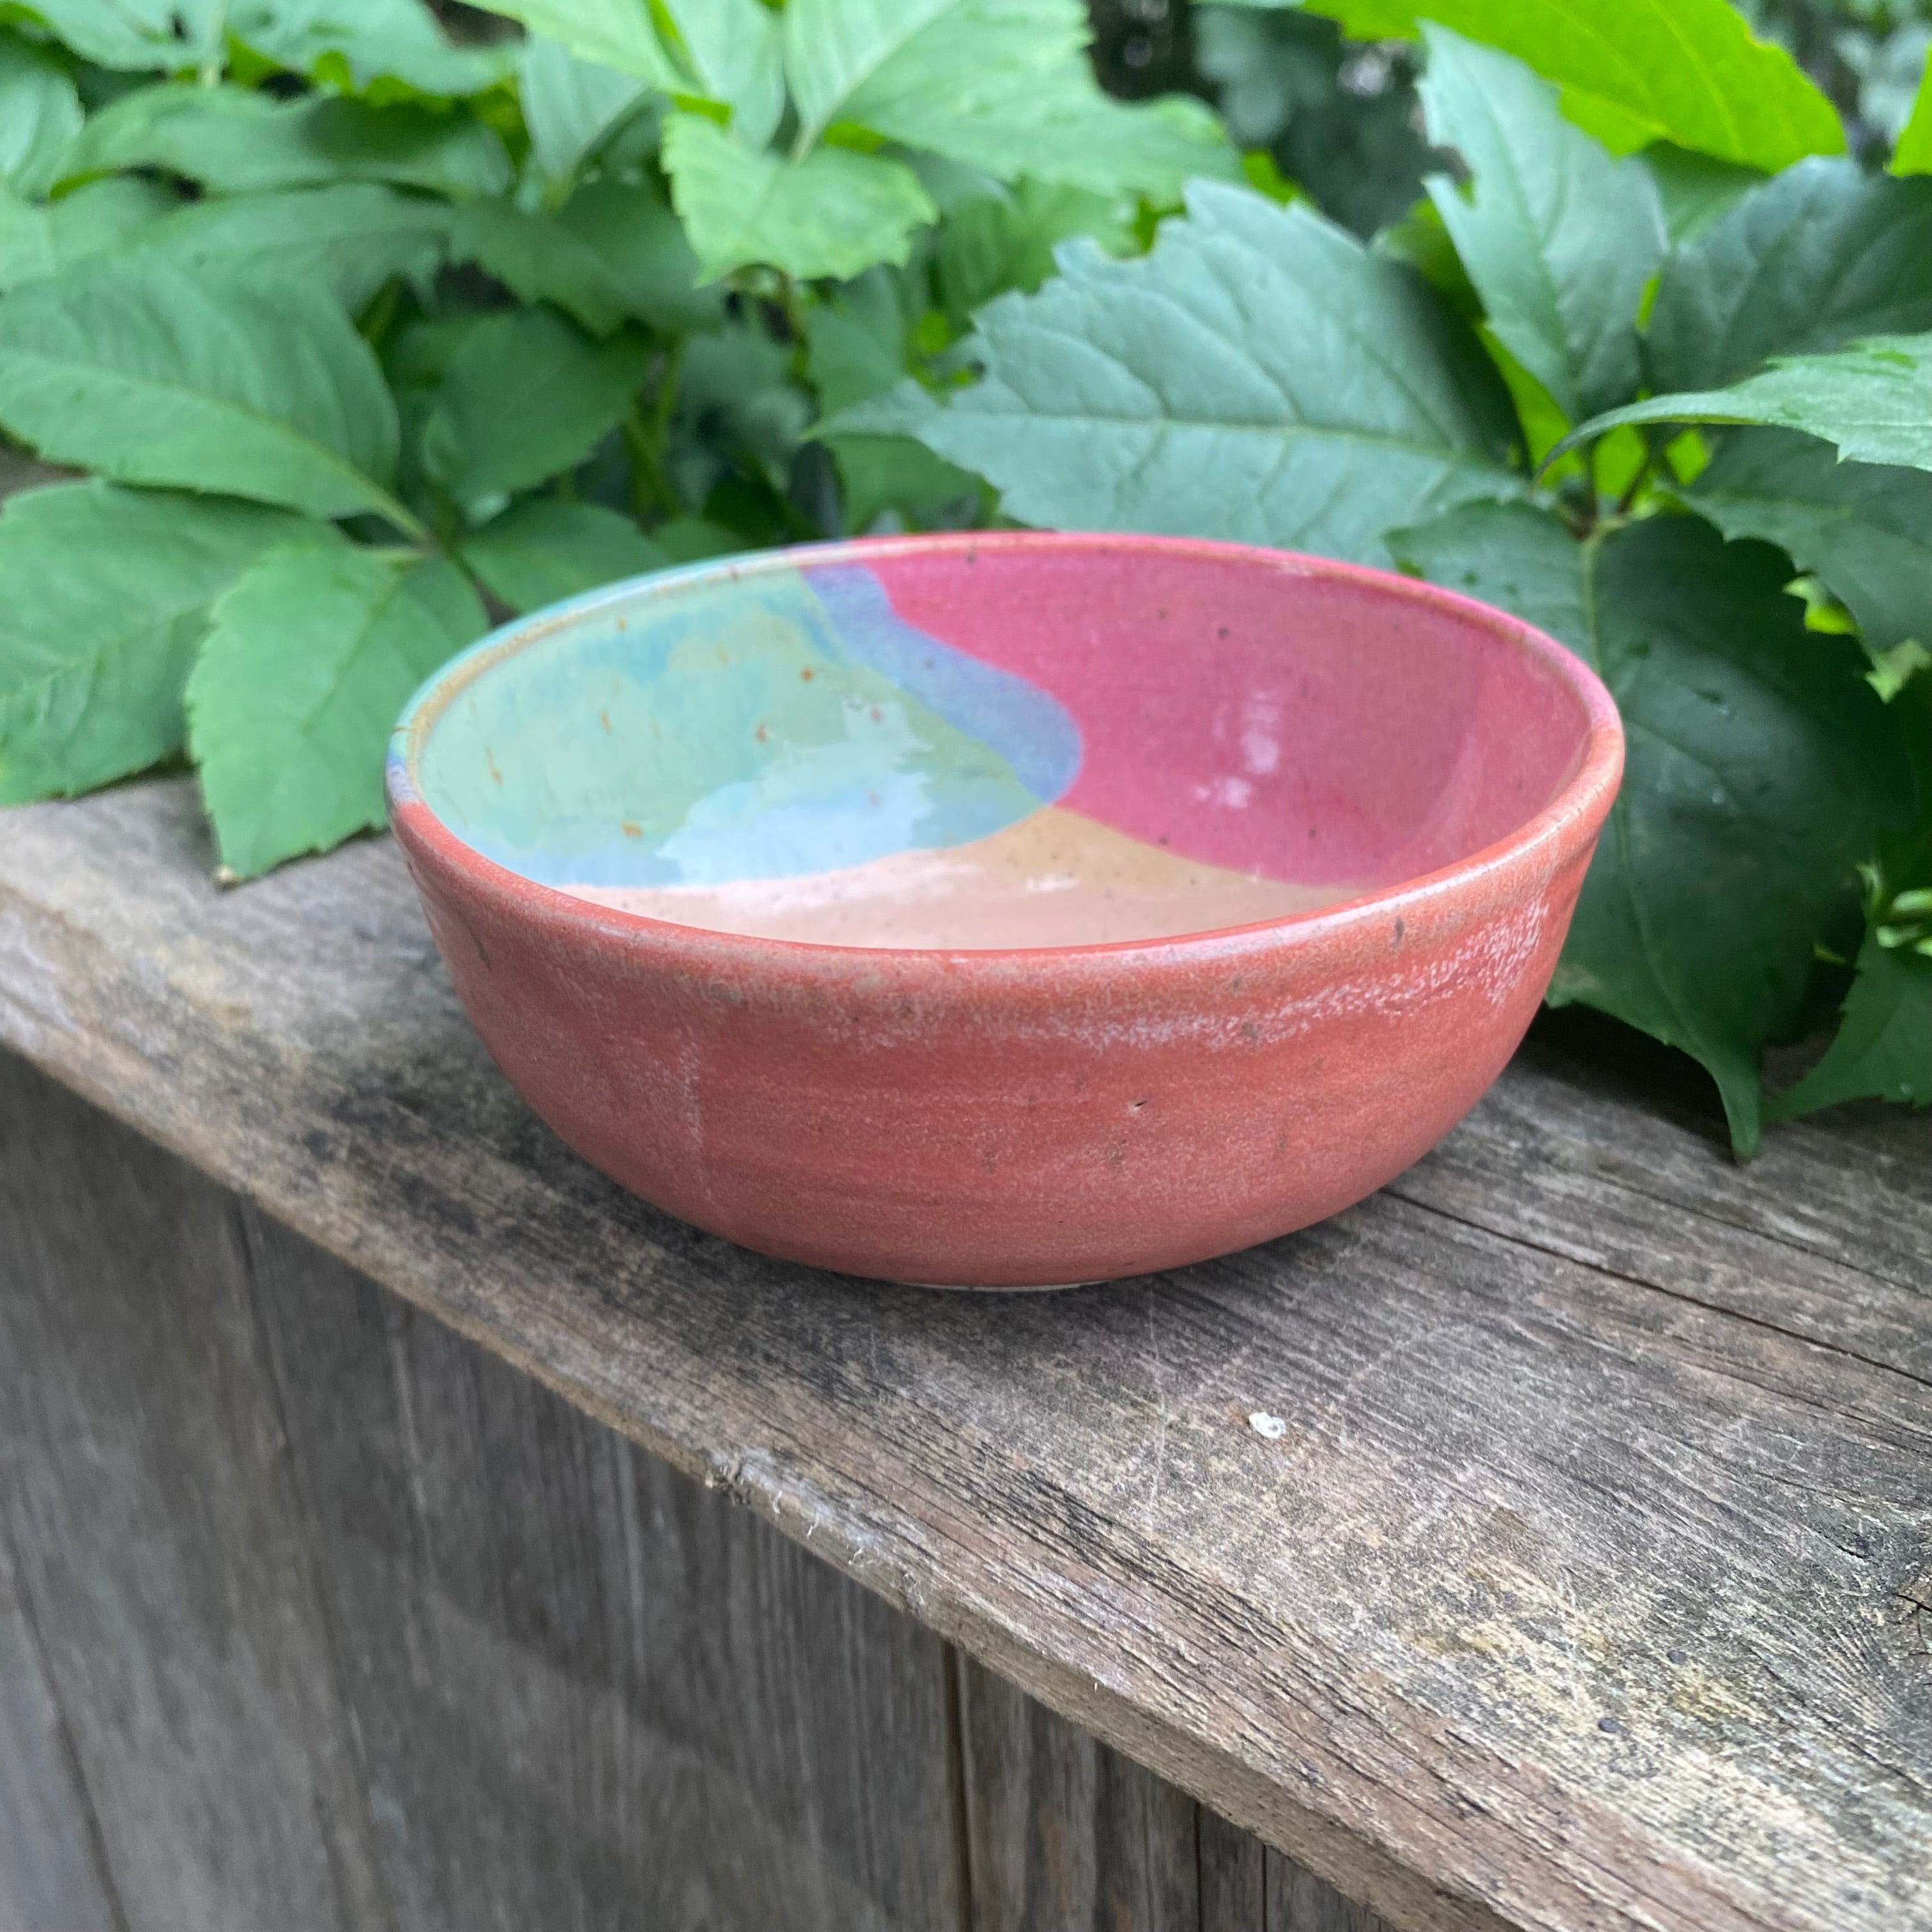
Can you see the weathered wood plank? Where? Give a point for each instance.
(1572, 1594)
(587, 1693)
(146, 1492)
(50, 1873)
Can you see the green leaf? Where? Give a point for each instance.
(1635, 71)
(612, 250)
(1866, 531)
(365, 43)
(992, 242)
(1874, 400)
(835, 213)
(40, 239)
(540, 552)
(571, 107)
(1883, 1047)
(1822, 254)
(352, 237)
(234, 142)
(108, 597)
(40, 114)
(1559, 238)
(737, 403)
(1694, 190)
(313, 654)
(152, 373)
(1911, 155)
(732, 49)
(527, 394)
(171, 36)
(1761, 770)
(616, 34)
(1259, 376)
(1003, 85)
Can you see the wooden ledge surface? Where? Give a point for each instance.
(1587, 1583)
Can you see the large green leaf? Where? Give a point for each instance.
(1558, 238)
(1763, 769)
(363, 44)
(108, 597)
(527, 394)
(540, 552)
(1695, 190)
(1874, 400)
(1911, 155)
(40, 239)
(352, 237)
(571, 108)
(313, 654)
(731, 49)
(834, 213)
(618, 33)
(1883, 1047)
(170, 36)
(1259, 376)
(1823, 254)
(992, 242)
(40, 114)
(1634, 71)
(1866, 531)
(151, 373)
(234, 142)
(1002, 84)
(612, 250)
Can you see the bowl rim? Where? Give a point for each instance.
(1571, 818)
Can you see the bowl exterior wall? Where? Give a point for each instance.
(991, 1119)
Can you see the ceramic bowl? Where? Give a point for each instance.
(1004, 910)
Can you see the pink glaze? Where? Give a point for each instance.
(1024, 1117)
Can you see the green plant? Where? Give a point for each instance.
(363, 334)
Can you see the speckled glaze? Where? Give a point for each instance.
(915, 759)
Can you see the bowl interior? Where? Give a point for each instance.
(995, 742)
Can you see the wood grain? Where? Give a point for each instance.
(1583, 1587)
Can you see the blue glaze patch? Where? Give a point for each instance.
(781, 723)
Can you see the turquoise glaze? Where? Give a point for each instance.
(717, 729)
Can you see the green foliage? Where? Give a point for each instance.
(365, 328)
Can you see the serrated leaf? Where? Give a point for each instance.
(1866, 531)
(366, 43)
(1882, 1050)
(527, 394)
(1874, 400)
(234, 142)
(1912, 154)
(835, 213)
(616, 34)
(108, 596)
(151, 373)
(540, 552)
(990, 243)
(1260, 375)
(1695, 189)
(352, 237)
(1807, 261)
(40, 239)
(40, 114)
(314, 653)
(1558, 238)
(1003, 85)
(612, 250)
(571, 107)
(137, 36)
(1762, 769)
(1635, 71)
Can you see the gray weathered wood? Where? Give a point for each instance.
(50, 1873)
(1583, 1588)
(588, 1694)
(147, 1494)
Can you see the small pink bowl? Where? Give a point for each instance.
(784, 741)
